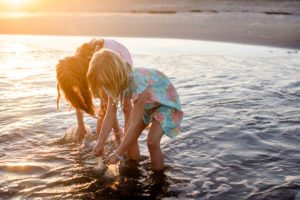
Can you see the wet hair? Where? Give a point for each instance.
(108, 71)
(71, 79)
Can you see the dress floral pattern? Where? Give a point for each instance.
(163, 102)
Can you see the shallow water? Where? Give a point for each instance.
(239, 140)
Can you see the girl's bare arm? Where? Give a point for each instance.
(136, 117)
(108, 121)
(81, 131)
(106, 127)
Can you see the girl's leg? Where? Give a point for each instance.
(153, 143)
(133, 151)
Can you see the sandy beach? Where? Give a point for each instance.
(271, 23)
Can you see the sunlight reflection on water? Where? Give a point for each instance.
(239, 138)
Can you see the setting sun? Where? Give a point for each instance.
(16, 3)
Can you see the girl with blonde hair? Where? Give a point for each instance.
(155, 100)
(72, 82)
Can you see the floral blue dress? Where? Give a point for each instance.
(163, 102)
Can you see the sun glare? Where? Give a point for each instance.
(16, 3)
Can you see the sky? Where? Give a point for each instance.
(43, 5)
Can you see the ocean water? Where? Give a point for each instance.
(239, 140)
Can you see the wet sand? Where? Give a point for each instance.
(271, 23)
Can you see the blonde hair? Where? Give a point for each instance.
(71, 79)
(108, 71)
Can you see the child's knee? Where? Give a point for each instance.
(134, 143)
(152, 143)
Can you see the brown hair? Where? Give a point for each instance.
(71, 79)
(86, 50)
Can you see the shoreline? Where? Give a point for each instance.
(246, 28)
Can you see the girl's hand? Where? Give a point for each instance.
(112, 159)
(80, 133)
(98, 149)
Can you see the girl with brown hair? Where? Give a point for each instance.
(72, 82)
